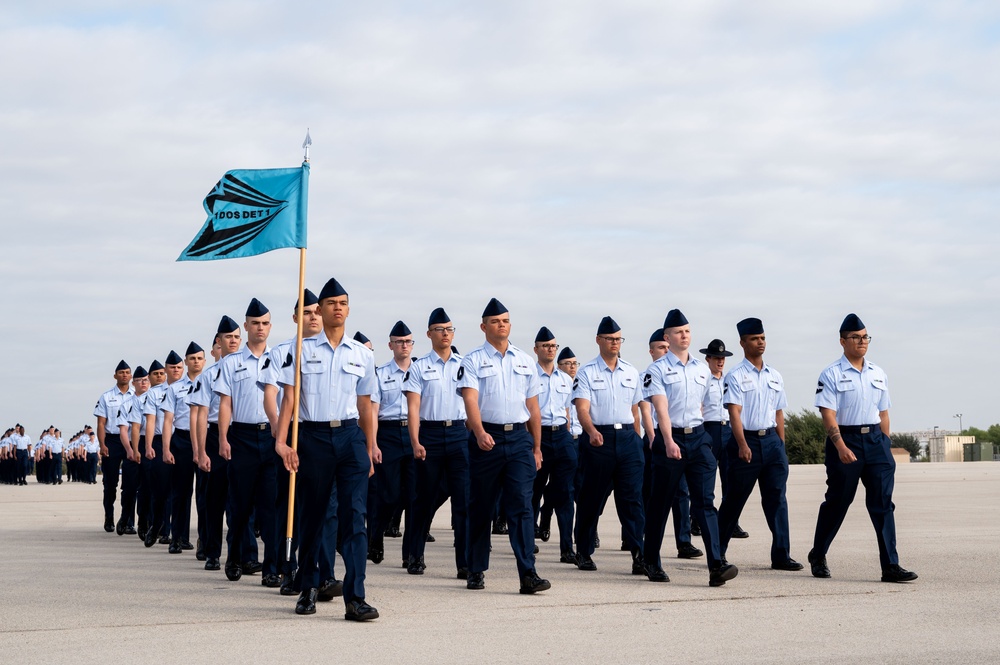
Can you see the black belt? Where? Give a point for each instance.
(212, 427)
(717, 422)
(248, 427)
(186, 432)
(328, 424)
(612, 428)
(857, 429)
(552, 428)
(508, 427)
(677, 431)
(442, 423)
(392, 423)
(759, 432)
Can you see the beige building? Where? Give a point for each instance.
(948, 448)
(900, 455)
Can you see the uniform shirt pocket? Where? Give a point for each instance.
(312, 376)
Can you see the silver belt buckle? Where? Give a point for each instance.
(447, 423)
(865, 430)
(761, 432)
(617, 425)
(508, 427)
(689, 430)
(403, 422)
(262, 426)
(725, 422)
(335, 423)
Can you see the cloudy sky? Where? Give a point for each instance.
(576, 158)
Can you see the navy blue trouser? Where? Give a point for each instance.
(447, 462)
(22, 467)
(396, 484)
(333, 459)
(510, 467)
(555, 481)
(876, 470)
(286, 564)
(252, 492)
(768, 467)
(159, 487)
(181, 485)
(92, 467)
(681, 508)
(697, 464)
(144, 492)
(110, 467)
(216, 494)
(720, 440)
(616, 465)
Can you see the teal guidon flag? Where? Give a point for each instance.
(252, 211)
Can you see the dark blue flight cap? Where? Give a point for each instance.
(226, 325)
(173, 358)
(140, 372)
(438, 316)
(675, 319)
(256, 308)
(657, 336)
(566, 354)
(360, 337)
(332, 289)
(544, 335)
(122, 365)
(192, 349)
(494, 308)
(716, 349)
(399, 330)
(309, 300)
(155, 366)
(851, 323)
(608, 326)
(750, 327)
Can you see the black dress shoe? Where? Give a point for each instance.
(584, 562)
(597, 543)
(234, 571)
(252, 567)
(895, 573)
(359, 610)
(532, 583)
(638, 564)
(688, 551)
(186, 545)
(307, 602)
(499, 528)
(722, 574)
(476, 581)
(463, 574)
(568, 557)
(790, 565)
(393, 532)
(163, 540)
(818, 565)
(287, 585)
(271, 581)
(415, 566)
(624, 547)
(429, 538)
(120, 527)
(212, 564)
(738, 532)
(376, 551)
(536, 548)
(695, 528)
(200, 551)
(175, 548)
(130, 530)
(656, 574)
(544, 535)
(330, 589)
(150, 538)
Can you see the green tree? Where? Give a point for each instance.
(980, 434)
(907, 441)
(805, 438)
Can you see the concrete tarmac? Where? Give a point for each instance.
(73, 593)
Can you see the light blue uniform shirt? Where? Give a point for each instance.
(137, 414)
(759, 393)
(555, 395)
(332, 378)
(90, 443)
(113, 406)
(203, 395)
(154, 406)
(504, 382)
(176, 402)
(611, 394)
(436, 381)
(712, 408)
(56, 444)
(683, 385)
(238, 375)
(389, 391)
(857, 397)
(271, 370)
(20, 441)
